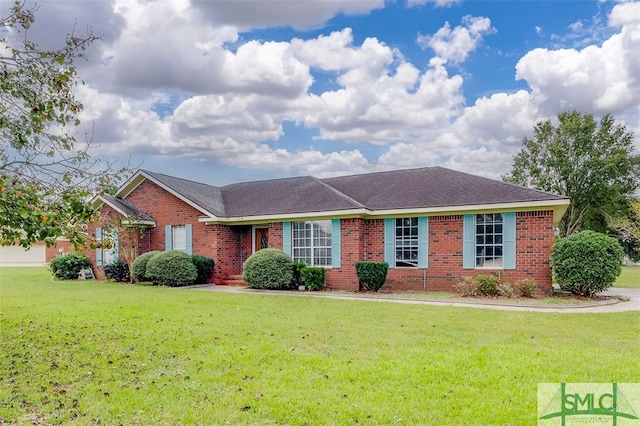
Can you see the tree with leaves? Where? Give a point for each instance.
(46, 177)
(627, 230)
(592, 162)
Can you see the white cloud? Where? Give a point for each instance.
(300, 15)
(576, 26)
(455, 45)
(227, 98)
(441, 3)
(599, 79)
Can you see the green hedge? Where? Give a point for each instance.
(313, 278)
(204, 266)
(269, 269)
(117, 271)
(173, 268)
(487, 284)
(586, 263)
(372, 275)
(139, 266)
(68, 266)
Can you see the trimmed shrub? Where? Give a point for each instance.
(313, 278)
(466, 287)
(117, 271)
(505, 290)
(372, 275)
(269, 269)
(487, 285)
(139, 266)
(204, 266)
(297, 276)
(173, 268)
(586, 263)
(68, 266)
(527, 287)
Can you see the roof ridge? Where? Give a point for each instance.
(380, 172)
(265, 180)
(154, 174)
(502, 182)
(338, 192)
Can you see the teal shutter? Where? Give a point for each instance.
(286, 237)
(423, 242)
(390, 242)
(509, 241)
(167, 238)
(336, 255)
(189, 246)
(99, 247)
(468, 242)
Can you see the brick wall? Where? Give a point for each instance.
(534, 239)
(534, 232)
(229, 246)
(275, 235)
(361, 239)
(61, 247)
(352, 243)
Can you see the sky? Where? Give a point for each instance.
(224, 91)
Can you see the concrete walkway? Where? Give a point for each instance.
(600, 306)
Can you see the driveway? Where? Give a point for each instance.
(606, 306)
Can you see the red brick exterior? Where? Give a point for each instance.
(61, 247)
(361, 239)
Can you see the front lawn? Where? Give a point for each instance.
(629, 278)
(104, 353)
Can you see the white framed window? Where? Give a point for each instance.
(489, 240)
(179, 238)
(406, 242)
(107, 246)
(311, 242)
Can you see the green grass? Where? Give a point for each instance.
(629, 278)
(104, 353)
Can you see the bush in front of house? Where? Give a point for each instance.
(269, 269)
(139, 266)
(204, 266)
(526, 287)
(487, 285)
(466, 287)
(117, 271)
(313, 278)
(505, 290)
(173, 268)
(297, 274)
(68, 266)
(586, 263)
(372, 275)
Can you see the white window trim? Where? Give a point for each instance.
(407, 264)
(183, 237)
(312, 247)
(475, 244)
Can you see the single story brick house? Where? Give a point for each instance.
(431, 225)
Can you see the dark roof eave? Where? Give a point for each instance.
(136, 222)
(558, 206)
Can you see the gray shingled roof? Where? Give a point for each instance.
(127, 208)
(429, 187)
(281, 196)
(206, 196)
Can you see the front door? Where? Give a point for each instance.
(262, 238)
